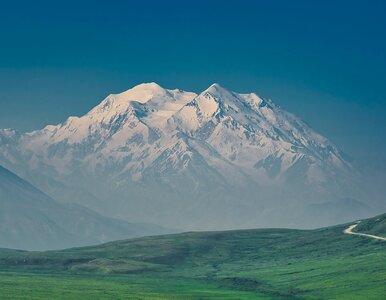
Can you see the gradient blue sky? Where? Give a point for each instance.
(325, 61)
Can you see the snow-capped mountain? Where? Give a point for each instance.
(214, 160)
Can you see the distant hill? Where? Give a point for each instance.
(29, 219)
(345, 210)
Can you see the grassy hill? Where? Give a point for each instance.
(376, 226)
(243, 264)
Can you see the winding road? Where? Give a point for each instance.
(351, 227)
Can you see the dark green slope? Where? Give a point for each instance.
(375, 226)
(244, 264)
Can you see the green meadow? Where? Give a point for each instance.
(241, 264)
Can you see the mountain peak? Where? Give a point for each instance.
(215, 88)
(215, 85)
(149, 86)
(141, 93)
(217, 91)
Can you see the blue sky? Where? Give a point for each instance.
(325, 61)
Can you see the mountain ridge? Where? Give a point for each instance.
(195, 150)
(29, 219)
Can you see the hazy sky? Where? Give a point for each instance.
(325, 61)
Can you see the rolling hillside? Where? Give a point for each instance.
(243, 264)
(376, 226)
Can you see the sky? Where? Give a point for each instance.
(324, 61)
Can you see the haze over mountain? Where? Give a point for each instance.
(215, 160)
(29, 219)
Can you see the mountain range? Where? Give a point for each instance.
(213, 160)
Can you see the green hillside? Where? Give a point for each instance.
(376, 226)
(244, 264)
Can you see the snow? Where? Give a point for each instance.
(207, 105)
(141, 93)
(174, 157)
(132, 129)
